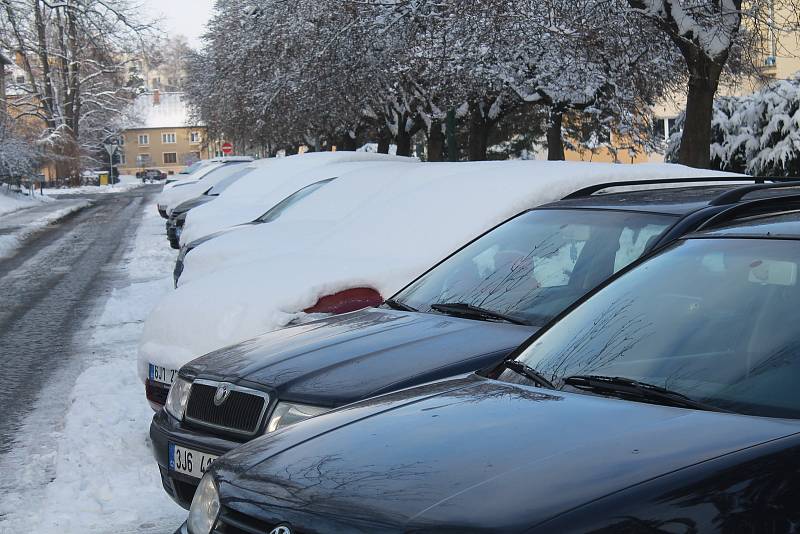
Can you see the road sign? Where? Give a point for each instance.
(110, 148)
(227, 148)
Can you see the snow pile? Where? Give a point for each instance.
(127, 182)
(275, 180)
(381, 241)
(93, 471)
(11, 201)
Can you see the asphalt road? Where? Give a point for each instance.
(49, 289)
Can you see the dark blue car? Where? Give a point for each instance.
(665, 401)
(467, 313)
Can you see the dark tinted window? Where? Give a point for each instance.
(709, 318)
(537, 264)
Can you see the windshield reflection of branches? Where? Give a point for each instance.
(609, 337)
(509, 283)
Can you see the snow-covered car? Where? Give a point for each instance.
(181, 200)
(194, 174)
(251, 197)
(266, 277)
(195, 184)
(288, 189)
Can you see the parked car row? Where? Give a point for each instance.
(612, 357)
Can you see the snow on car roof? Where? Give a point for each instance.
(387, 232)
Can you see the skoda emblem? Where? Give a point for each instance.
(281, 529)
(222, 394)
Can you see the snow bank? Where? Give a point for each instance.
(383, 243)
(127, 183)
(278, 178)
(10, 201)
(92, 469)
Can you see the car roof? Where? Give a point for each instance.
(783, 224)
(673, 200)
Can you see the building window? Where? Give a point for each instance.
(170, 158)
(20, 79)
(122, 159)
(194, 137)
(143, 160)
(168, 138)
(144, 139)
(156, 83)
(121, 140)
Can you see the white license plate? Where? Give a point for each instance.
(188, 461)
(162, 374)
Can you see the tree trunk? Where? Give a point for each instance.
(384, 140)
(479, 128)
(555, 145)
(695, 149)
(436, 142)
(348, 144)
(403, 141)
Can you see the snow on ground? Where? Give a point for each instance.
(20, 225)
(260, 278)
(11, 201)
(126, 183)
(83, 463)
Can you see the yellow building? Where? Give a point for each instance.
(162, 136)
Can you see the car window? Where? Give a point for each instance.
(707, 318)
(539, 263)
(278, 209)
(229, 175)
(193, 167)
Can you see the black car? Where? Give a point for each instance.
(467, 313)
(666, 401)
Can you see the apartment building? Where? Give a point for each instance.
(162, 137)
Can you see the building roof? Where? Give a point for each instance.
(156, 109)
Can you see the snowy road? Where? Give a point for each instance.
(74, 450)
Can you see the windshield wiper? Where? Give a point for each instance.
(626, 388)
(528, 372)
(396, 305)
(468, 310)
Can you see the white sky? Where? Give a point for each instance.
(187, 17)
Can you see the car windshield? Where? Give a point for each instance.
(234, 173)
(278, 209)
(191, 168)
(708, 319)
(533, 267)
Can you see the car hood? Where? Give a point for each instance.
(344, 358)
(470, 454)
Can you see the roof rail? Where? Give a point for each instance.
(589, 190)
(735, 195)
(745, 208)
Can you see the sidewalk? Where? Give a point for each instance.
(19, 225)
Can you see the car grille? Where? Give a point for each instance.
(241, 413)
(233, 522)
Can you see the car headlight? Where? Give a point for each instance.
(287, 413)
(205, 507)
(177, 397)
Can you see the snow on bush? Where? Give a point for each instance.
(384, 243)
(758, 133)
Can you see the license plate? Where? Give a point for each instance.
(188, 461)
(162, 374)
